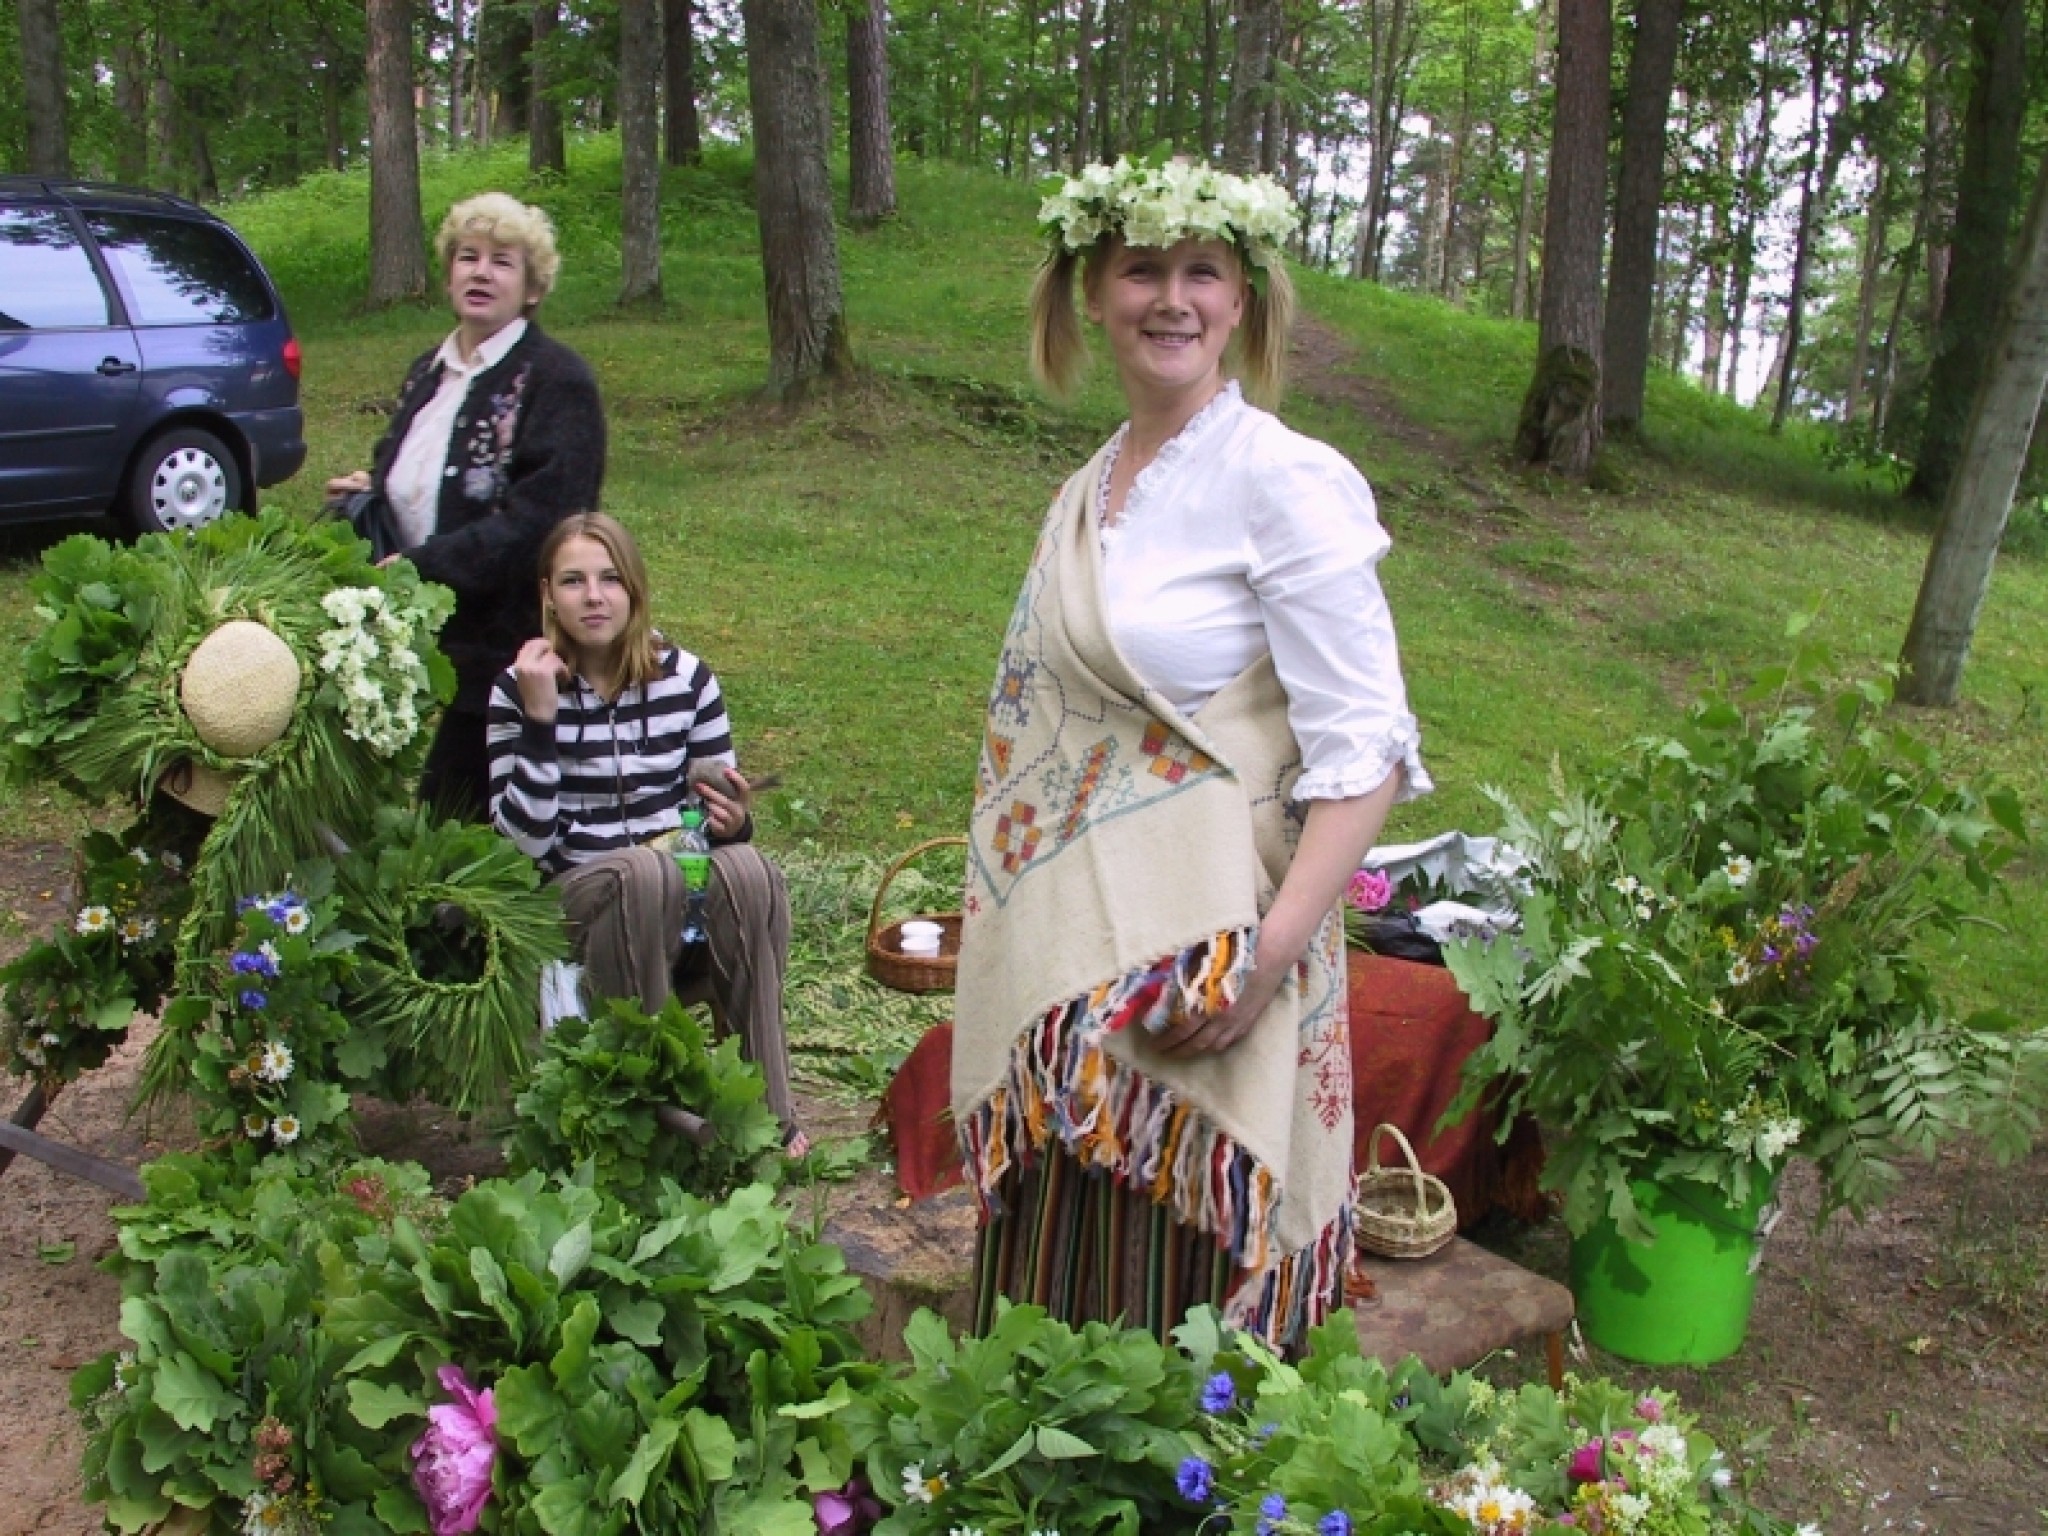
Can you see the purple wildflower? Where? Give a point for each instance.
(1195, 1480)
(1272, 1510)
(251, 998)
(1219, 1393)
(1771, 955)
(1335, 1523)
(1806, 944)
(250, 962)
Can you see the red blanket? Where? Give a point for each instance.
(1410, 1035)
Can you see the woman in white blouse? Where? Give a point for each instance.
(1202, 651)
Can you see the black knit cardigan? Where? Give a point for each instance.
(527, 450)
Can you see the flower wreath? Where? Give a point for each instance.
(1159, 205)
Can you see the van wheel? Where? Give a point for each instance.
(184, 480)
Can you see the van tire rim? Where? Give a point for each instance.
(188, 490)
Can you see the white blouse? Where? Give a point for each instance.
(1244, 537)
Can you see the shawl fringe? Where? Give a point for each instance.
(1110, 1117)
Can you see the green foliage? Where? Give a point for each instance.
(457, 927)
(66, 1002)
(592, 1099)
(1035, 1426)
(1722, 955)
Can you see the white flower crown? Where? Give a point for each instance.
(1159, 205)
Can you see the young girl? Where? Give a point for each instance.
(599, 734)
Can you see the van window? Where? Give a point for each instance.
(179, 272)
(47, 281)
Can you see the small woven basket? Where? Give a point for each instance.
(1403, 1213)
(886, 961)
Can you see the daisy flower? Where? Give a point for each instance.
(254, 1126)
(91, 920)
(1740, 972)
(920, 1489)
(286, 1129)
(1738, 870)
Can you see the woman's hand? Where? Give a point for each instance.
(728, 801)
(540, 674)
(1336, 835)
(343, 486)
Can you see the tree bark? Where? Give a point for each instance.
(546, 155)
(1391, 36)
(1212, 64)
(43, 87)
(1638, 202)
(1525, 208)
(871, 150)
(398, 235)
(1560, 421)
(1979, 495)
(458, 72)
(639, 152)
(1084, 76)
(807, 338)
(1250, 71)
(1755, 198)
(1987, 194)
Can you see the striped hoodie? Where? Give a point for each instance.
(604, 775)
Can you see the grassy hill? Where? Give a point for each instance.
(849, 570)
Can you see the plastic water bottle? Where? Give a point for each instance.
(693, 858)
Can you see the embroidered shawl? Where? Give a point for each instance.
(1119, 856)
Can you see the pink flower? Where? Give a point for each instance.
(846, 1511)
(1649, 1410)
(1369, 891)
(454, 1458)
(1585, 1467)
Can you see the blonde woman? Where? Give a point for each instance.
(498, 436)
(600, 731)
(1198, 727)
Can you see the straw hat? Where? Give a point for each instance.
(239, 688)
(203, 789)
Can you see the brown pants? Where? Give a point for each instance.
(625, 912)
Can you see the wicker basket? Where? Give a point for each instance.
(886, 961)
(1403, 1213)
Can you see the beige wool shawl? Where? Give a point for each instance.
(1114, 840)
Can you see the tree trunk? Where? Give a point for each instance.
(131, 99)
(1638, 201)
(1525, 207)
(1084, 75)
(546, 154)
(398, 235)
(458, 72)
(871, 151)
(639, 152)
(1817, 191)
(1987, 195)
(1978, 499)
(1888, 354)
(43, 87)
(1250, 71)
(1391, 35)
(807, 339)
(1875, 227)
(1212, 64)
(1755, 197)
(1560, 421)
(682, 133)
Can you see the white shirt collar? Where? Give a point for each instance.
(488, 353)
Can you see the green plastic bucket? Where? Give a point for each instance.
(1684, 1299)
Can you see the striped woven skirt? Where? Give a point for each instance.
(1088, 1249)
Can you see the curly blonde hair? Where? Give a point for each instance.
(1059, 349)
(499, 217)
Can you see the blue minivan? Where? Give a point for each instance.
(146, 365)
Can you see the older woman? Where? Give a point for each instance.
(498, 436)
(1198, 727)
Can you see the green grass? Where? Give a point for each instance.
(849, 570)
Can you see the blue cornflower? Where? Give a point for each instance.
(254, 999)
(1219, 1392)
(1195, 1480)
(282, 908)
(252, 962)
(1335, 1523)
(244, 903)
(1272, 1510)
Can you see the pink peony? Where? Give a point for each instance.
(1585, 1467)
(453, 1459)
(1369, 891)
(1649, 1410)
(846, 1511)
